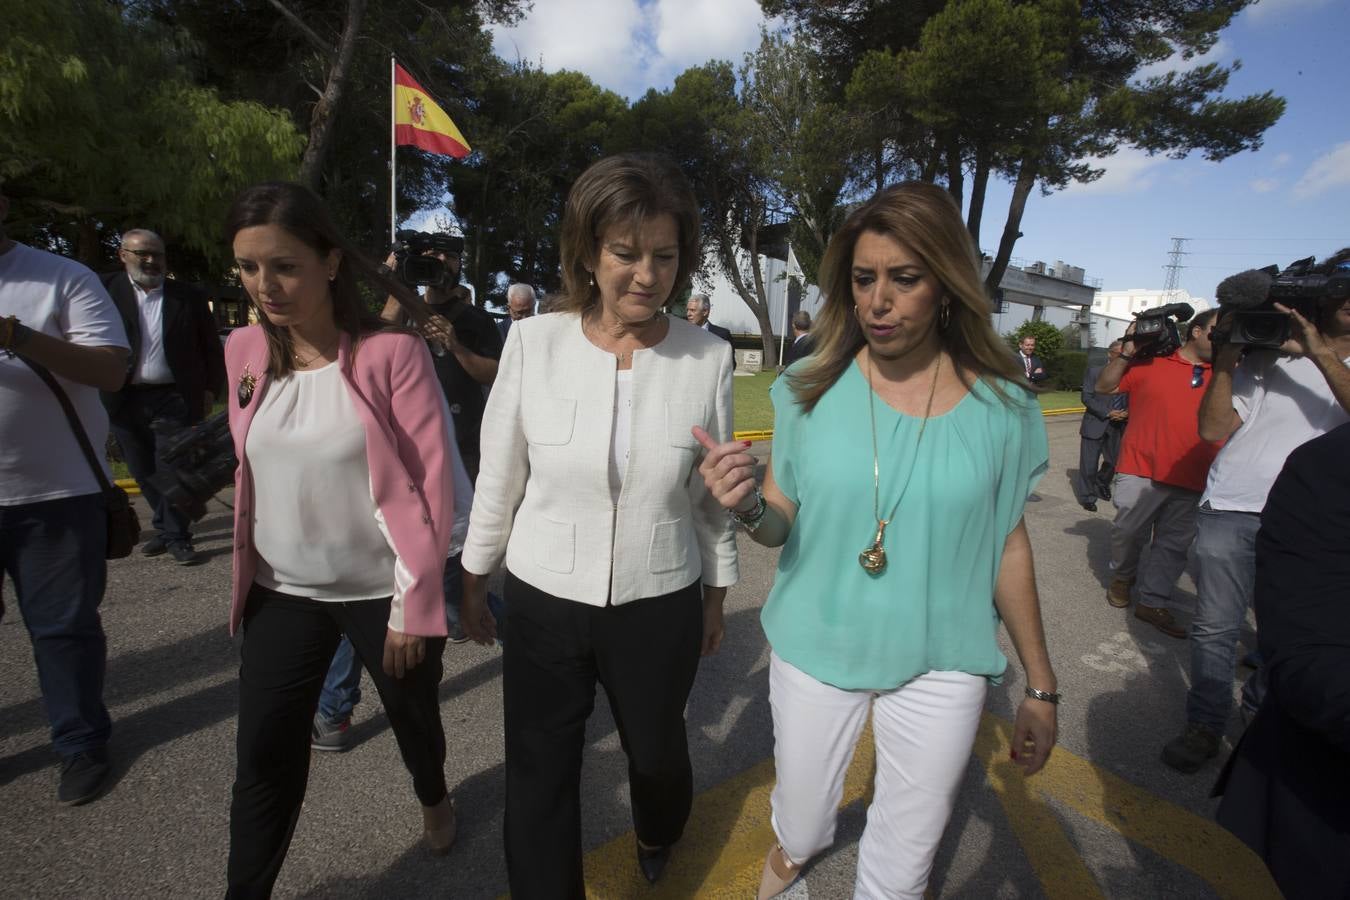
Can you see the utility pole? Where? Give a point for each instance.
(1174, 267)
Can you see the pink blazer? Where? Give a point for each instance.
(395, 391)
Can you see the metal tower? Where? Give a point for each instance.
(1174, 268)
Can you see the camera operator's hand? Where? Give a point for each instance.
(1304, 338)
(402, 652)
(439, 329)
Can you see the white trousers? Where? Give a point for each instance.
(923, 731)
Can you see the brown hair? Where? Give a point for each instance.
(925, 219)
(627, 189)
(300, 212)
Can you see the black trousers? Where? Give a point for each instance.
(147, 417)
(645, 654)
(1097, 464)
(288, 645)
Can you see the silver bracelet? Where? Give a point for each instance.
(751, 521)
(1042, 695)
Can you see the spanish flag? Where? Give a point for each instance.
(420, 122)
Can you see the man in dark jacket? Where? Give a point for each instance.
(1099, 434)
(802, 342)
(175, 372)
(1031, 363)
(1286, 789)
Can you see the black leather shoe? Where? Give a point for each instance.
(1090, 506)
(154, 547)
(1104, 492)
(83, 777)
(652, 861)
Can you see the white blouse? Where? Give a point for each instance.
(315, 523)
(621, 437)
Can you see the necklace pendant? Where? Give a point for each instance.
(873, 559)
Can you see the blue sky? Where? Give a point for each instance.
(1283, 202)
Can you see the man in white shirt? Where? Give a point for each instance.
(176, 370)
(53, 516)
(1266, 405)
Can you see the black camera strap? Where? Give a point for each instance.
(75, 425)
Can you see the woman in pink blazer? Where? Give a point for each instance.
(342, 519)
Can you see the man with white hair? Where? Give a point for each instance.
(519, 305)
(174, 375)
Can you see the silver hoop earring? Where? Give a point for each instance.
(944, 316)
(592, 283)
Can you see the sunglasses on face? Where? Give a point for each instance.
(1197, 376)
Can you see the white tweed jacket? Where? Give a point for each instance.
(543, 499)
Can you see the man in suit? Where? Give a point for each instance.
(802, 344)
(697, 310)
(1030, 362)
(1285, 790)
(519, 305)
(1099, 435)
(175, 372)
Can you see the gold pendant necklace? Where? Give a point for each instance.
(873, 559)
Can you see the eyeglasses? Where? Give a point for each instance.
(1197, 376)
(144, 255)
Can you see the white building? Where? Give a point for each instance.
(1113, 311)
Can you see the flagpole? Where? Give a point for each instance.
(393, 150)
(787, 295)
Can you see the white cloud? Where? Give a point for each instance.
(1267, 11)
(1129, 171)
(631, 45)
(1280, 161)
(1175, 62)
(602, 38)
(1264, 185)
(1328, 172)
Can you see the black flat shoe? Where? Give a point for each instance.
(652, 861)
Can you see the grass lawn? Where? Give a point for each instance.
(755, 413)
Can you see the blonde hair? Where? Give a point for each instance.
(925, 219)
(627, 189)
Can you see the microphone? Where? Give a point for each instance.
(1245, 290)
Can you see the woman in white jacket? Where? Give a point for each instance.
(617, 557)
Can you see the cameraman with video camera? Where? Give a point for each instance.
(464, 342)
(1163, 458)
(1280, 380)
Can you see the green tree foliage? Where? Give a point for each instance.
(534, 134)
(102, 129)
(1034, 91)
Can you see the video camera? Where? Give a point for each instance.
(414, 268)
(1251, 296)
(201, 462)
(1156, 332)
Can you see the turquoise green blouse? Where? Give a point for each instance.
(932, 609)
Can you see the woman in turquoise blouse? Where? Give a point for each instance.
(904, 450)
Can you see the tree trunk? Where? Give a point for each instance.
(978, 184)
(727, 254)
(930, 166)
(1026, 180)
(762, 306)
(879, 165)
(956, 181)
(88, 249)
(324, 117)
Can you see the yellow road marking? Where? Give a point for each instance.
(723, 848)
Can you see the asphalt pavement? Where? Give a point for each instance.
(1106, 818)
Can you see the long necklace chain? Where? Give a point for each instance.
(873, 559)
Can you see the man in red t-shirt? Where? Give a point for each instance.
(1161, 471)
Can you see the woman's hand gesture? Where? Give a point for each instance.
(728, 471)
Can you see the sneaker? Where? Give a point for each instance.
(1188, 752)
(184, 554)
(1161, 619)
(154, 547)
(332, 737)
(1118, 594)
(83, 777)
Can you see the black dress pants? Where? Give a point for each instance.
(147, 416)
(645, 654)
(288, 645)
(1097, 464)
